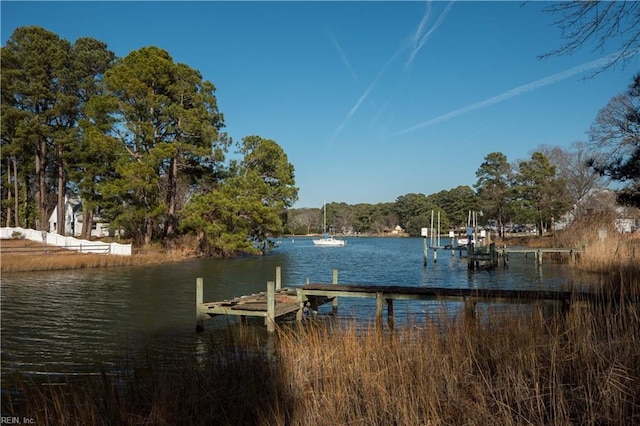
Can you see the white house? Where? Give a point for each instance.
(73, 220)
(397, 230)
(627, 219)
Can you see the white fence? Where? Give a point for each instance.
(82, 246)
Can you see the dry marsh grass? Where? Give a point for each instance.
(615, 258)
(21, 263)
(511, 369)
(24, 255)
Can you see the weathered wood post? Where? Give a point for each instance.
(199, 301)
(313, 302)
(539, 257)
(470, 248)
(278, 278)
(493, 254)
(335, 299)
(424, 251)
(379, 306)
(435, 255)
(300, 299)
(469, 309)
(390, 322)
(271, 307)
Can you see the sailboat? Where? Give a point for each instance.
(327, 240)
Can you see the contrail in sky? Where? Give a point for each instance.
(419, 39)
(343, 55)
(366, 93)
(417, 42)
(416, 37)
(520, 90)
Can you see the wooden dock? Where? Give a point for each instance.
(489, 256)
(277, 302)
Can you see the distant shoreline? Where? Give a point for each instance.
(19, 255)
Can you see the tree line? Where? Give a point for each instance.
(139, 140)
(536, 191)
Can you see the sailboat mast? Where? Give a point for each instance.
(324, 220)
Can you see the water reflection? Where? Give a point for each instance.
(72, 321)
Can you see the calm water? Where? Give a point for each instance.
(75, 321)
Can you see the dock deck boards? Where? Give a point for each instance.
(254, 305)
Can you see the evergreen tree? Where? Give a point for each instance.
(91, 163)
(241, 214)
(493, 186)
(168, 123)
(40, 109)
(542, 195)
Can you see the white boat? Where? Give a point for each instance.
(463, 242)
(327, 240)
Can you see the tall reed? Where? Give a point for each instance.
(23, 263)
(511, 367)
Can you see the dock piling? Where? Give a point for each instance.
(270, 320)
(424, 251)
(300, 299)
(278, 278)
(199, 301)
(469, 309)
(335, 299)
(379, 305)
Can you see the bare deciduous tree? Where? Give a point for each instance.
(572, 165)
(605, 23)
(615, 134)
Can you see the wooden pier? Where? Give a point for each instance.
(537, 253)
(277, 302)
(489, 256)
(274, 303)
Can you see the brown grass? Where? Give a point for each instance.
(23, 255)
(513, 369)
(616, 258)
(510, 369)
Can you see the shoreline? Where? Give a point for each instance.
(30, 256)
(19, 255)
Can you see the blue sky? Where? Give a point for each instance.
(370, 100)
